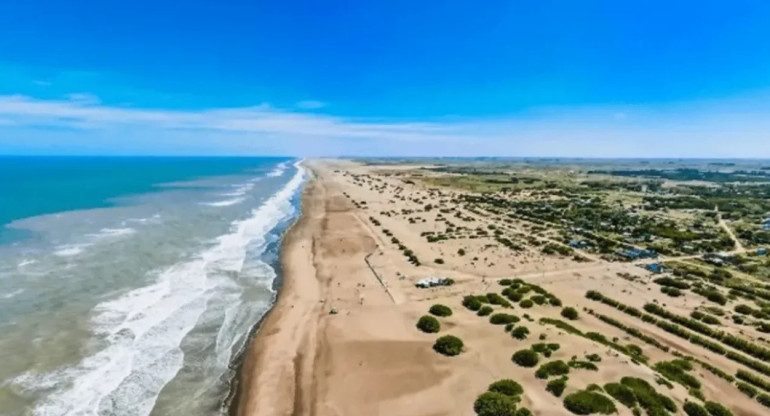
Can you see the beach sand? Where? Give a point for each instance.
(367, 358)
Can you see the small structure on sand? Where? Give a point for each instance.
(433, 281)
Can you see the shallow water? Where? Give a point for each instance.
(138, 305)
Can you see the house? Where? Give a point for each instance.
(578, 244)
(432, 282)
(761, 252)
(637, 254)
(654, 267)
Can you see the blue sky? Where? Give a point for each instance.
(593, 78)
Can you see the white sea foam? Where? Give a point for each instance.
(69, 250)
(26, 262)
(145, 327)
(224, 203)
(278, 171)
(11, 294)
(112, 232)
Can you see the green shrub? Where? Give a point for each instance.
(525, 358)
(764, 399)
(747, 389)
(621, 393)
(553, 368)
(583, 365)
(520, 332)
(594, 358)
(544, 348)
(671, 291)
(523, 411)
(439, 261)
(594, 387)
(440, 310)
(698, 394)
(526, 303)
(569, 313)
(494, 404)
(694, 409)
(472, 303)
(539, 299)
(485, 310)
(503, 319)
(648, 398)
(507, 387)
(556, 386)
(448, 345)
(676, 370)
(716, 409)
(428, 324)
(589, 402)
(496, 299)
(505, 282)
(512, 295)
(554, 301)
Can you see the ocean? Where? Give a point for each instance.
(128, 286)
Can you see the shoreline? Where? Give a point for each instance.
(247, 391)
(231, 403)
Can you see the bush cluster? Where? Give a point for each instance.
(448, 345)
(428, 324)
(728, 339)
(440, 310)
(526, 303)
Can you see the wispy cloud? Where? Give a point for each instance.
(727, 128)
(310, 105)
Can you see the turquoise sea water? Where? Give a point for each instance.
(31, 186)
(128, 285)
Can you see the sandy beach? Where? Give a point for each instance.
(341, 338)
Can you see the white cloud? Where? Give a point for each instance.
(728, 129)
(310, 105)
